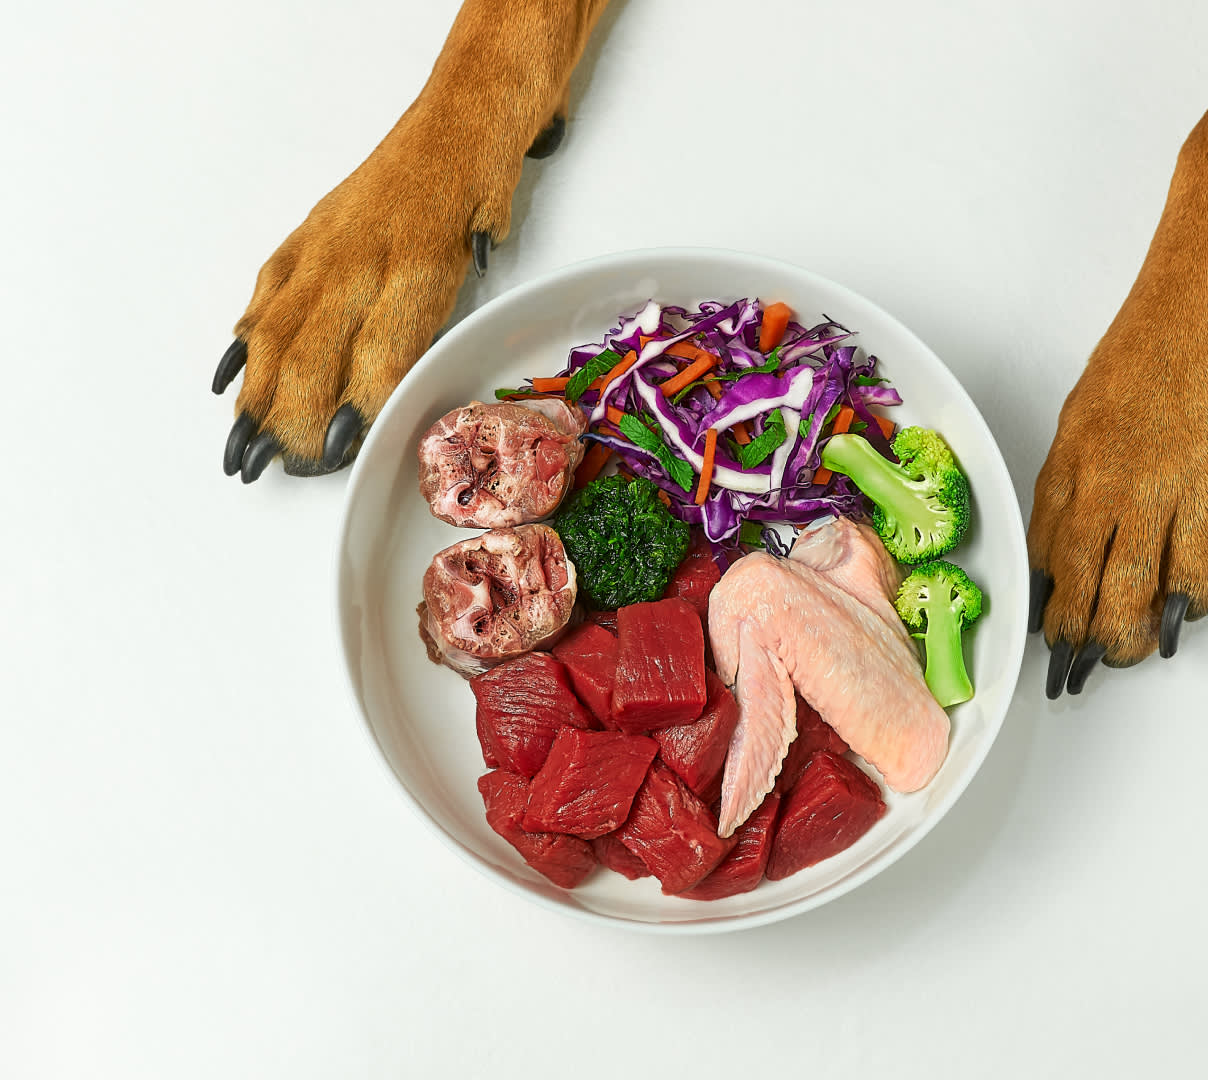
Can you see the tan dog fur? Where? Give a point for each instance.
(356, 293)
(1120, 517)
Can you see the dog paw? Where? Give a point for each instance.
(1118, 538)
(356, 294)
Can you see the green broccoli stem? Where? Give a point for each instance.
(945, 675)
(876, 476)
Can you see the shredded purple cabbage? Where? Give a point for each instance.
(818, 370)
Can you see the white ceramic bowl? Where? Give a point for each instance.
(422, 716)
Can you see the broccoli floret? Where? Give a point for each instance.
(938, 600)
(623, 541)
(920, 507)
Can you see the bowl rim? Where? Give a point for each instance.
(706, 924)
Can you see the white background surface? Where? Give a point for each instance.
(206, 871)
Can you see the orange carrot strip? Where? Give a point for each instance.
(551, 385)
(713, 386)
(626, 363)
(706, 469)
(886, 425)
(524, 396)
(613, 414)
(685, 350)
(664, 498)
(842, 422)
(593, 461)
(742, 434)
(689, 375)
(775, 322)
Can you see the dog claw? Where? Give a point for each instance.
(241, 433)
(230, 365)
(1084, 663)
(1042, 589)
(549, 140)
(1060, 658)
(480, 244)
(343, 430)
(1172, 623)
(263, 449)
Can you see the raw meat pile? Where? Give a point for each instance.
(610, 751)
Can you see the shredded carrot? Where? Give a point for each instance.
(525, 396)
(551, 385)
(842, 423)
(775, 322)
(713, 386)
(706, 469)
(593, 461)
(742, 433)
(664, 498)
(689, 375)
(685, 350)
(613, 414)
(626, 363)
(886, 425)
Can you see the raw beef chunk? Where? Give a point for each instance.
(743, 868)
(588, 782)
(616, 856)
(697, 751)
(833, 804)
(565, 860)
(813, 733)
(660, 678)
(521, 706)
(672, 831)
(695, 578)
(590, 655)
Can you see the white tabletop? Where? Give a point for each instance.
(206, 871)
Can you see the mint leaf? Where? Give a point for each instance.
(857, 427)
(751, 534)
(766, 368)
(868, 380)
(589, 373)
(503, 393)
(652, 442)
(765, 442)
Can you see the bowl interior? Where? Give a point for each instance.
(422, 716)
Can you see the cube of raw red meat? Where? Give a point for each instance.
(833, 804)
(606, 619)
(743, 868)
(672, 831)
(565, 860)
(697, 751)
(521, 706)
(614, 855)
(695, 578)
(589, 653)
(588, 782)
(660, 678)
(813, 733)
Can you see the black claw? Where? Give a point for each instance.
(1060, 658)
(343, 430)
(241, 433)
(480, 244)
(230, 365)
(1042, 589)
(1088, 656)
(263, 449)
(549, 140)
(1172, 623)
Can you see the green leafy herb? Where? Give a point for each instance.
(589, 373)
(751, 534)
(768, 366)
(624, 542)
(652, 442)
(869, 380)
(857, 427)
(503, 393)
(765, 442)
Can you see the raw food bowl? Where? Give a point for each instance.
(421, 716)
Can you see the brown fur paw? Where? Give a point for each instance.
(352, 298)
(1119, 529)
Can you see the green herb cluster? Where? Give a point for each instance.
(623, 541)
